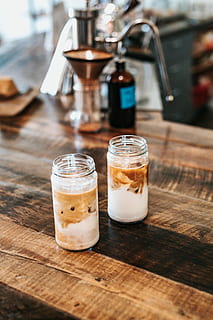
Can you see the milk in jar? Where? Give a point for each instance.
(75, 201)
(127, 162)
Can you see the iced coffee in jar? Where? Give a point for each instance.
(127, 162)
(75, 201)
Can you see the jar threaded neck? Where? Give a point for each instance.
(128, 145)
(73, 165)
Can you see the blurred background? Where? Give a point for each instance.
(186, 30)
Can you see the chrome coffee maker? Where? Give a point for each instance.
(78, 32)
(78, 45)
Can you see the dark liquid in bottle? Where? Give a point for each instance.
(121, 88)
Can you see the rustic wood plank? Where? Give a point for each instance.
(146, 246)
(176, 132)
(190, 181)
(181, 154)
(178, 227)
(181, 179)
(88, 284)
(36, 173)
(56, 139)
(32, 208)
(177, 213)
(64, 139)
(15, 305)
(52, 111)
(171, 210)
(181, 214)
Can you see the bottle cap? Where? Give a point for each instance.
(120, 64)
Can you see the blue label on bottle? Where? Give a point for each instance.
(127, 97)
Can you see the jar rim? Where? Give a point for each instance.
(73, 165)
(127, 145)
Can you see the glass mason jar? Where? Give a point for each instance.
(127, 162)
(75, 201)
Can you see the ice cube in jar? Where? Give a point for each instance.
(75, 201)
(127, 161)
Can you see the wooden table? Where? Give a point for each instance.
(157, 269)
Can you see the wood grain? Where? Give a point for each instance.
(160, 268)
(65, 140)
(91, 285)
(172, 159)
(171, 229)
(179, 179)
(34, 187)
(15, 305)
(15, 105)
(176, 132)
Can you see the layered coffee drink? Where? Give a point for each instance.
(127, 179)
(75, 202)
(128, 193)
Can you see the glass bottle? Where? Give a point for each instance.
(75, 201)
(121, 97)
(127, 162)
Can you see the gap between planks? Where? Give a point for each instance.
(92, 280)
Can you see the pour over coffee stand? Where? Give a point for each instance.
(87, 65)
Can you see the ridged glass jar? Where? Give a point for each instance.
(127, 162)
(75, 201)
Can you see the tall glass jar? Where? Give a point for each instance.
(75, 201)
(127, 162)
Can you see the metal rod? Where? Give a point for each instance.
(158, 51)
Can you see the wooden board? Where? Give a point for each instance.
(88, 284)
(15, 105)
